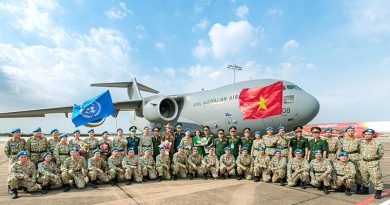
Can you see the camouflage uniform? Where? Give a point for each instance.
(255, 145)
(318, 169)
(105, 153)
(35, 146)
(247, 142)
(92, 144)
(234, 145)
(270, 145)
(52, 144)
(49, 174)
(210, 165)
(12, 147)
(17, 173)
(79, 171)
(61, 152)
(179, 165)
(169, 136)
(148, 167)
(282, 144)
(352, 147)
(334, 147)
(197, 161)
(297, 169)
(115, 168)
(227, 164)
(121, 143)
(371, 153)
(245, 166)
(261, 163)
(163, 166)
(146, 141)
(345, 171)
(130, 172)
(187, 145)
(75, 143)
(97, 169)
(220, 144)
(277, 166)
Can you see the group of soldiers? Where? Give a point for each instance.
(325, 162)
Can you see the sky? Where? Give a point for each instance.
(51, 51)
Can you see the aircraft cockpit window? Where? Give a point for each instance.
(293, 87)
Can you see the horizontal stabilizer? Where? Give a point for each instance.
(126, 85)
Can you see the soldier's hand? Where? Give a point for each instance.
(26, 177)
(70, 171)
(323, 175)
(194, 166)
(58, 162)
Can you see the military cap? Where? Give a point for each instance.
(37, 129)
(130, 149)
(206, 127)
(21, 153)
(161, 148)
(343, 154)
(298, 128)
(186, 129)
(169, 125)
(156, 129)
(317, 151)
(277, 151)
(298, 151)
(74, 149)
(180, 147)
(46, 154)
(369, 130)
(328, 129)
(91, 130)
(210, 148)
(96, 150)
(146, 149)
(105, 132)
(247, 128)
(76, 131)
(178, 125)
(221, 130)
(194, 148)
(257, 132)
(226, 148)
(281, 128)
(146, 127)
(53, 130)
(233, 127)
(133, 129)
(63, 135)
(315, 128)
(349, 127)
(15, 130)
(244, 149)
(119, 129)
(260, 148)
(114, 149)
(269, 128)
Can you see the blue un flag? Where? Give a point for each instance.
(93, 109)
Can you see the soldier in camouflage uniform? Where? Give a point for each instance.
(277, 166)
(270, 142)
(145, 141)
(258, 142)
(334, 145)
(116, 171)
(36, 145)
(24, 174)
(344, 174)
(169, 135)
(97, 169)
(75, 142)
(49, 174)
(247, 140)
(156, 139)
(120, 142)
(163, 163)
(14, 145)
(321, 171)
(220, 143)
(105, 145)
(282, 142)
(54, 140)
(261, 164)
(210, 164)
(62, 150)
(132, 167)
(227, 164)
(297, 170)
(179, 165)
(147, 165)
(92, 142)
(371, 151)
(186, 142)
(132, 140)
(74, 168)
(245, 164)
(194, 164)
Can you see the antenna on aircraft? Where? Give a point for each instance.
(234, 68)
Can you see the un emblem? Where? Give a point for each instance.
(92, 110)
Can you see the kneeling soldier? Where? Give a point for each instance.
(132, 168)
(24, 174)
(297, 170)
(74, 168)
(163, 164)
(244, 165)
(278, 165)
(195, 163)
(210, 164)
(227, 164)
(97, 168)
(320, 171)
(344, 174)
(261, 166)
(48, 173)
(115, 168)
(147, 165)
(179, 165)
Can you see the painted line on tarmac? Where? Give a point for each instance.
(127, 194)
(371, 199)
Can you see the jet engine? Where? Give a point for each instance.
(163, 109)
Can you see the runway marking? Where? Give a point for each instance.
(127, 194)
(371, 199)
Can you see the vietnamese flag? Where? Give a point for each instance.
(261, 102)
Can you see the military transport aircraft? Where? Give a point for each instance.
(217, 108)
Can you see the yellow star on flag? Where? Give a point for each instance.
(262, 103)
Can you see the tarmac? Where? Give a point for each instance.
(197, 191)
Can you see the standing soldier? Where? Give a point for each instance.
(320, 172)
(49, 174)
(75, 142)
(62, 150)
(97, 169)
(36, 145)
(316, 144)
(344, 174)
(270, 142)
(220, 143)
(334, 146)
(210, 164)
(22, 174)
(156, 139)
(277, 166)
(209, 137)
(270, 132)
(92, 143)
(133, 140)
(168, 136)
(54, 140)
(120, 142)
(227, 164)
(282, 142)
(179, 165)
(234, 142)
(14, 146)
(163, 165)
(147, 165)
(132, 167)
(298, 142)
(247, 140)
(74, 168)
(297, 170)
(258, 142)
(186, 142)
(194, 164)
(146, 141)
(244, 165)
(105, 145)
(351, 145)
(371, 151)
(115, 168)
(261, 166)
(178, 135)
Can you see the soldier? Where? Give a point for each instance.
(120, 142)
(115, 169)
(282, 142)
(54, 140)
(156, 139)
(180, 164)
(36, 145)
(105, 145)
(316, 144)
(371, 151)
(297, 170)
(14, 146)
(344, 174)
(186, 142)
(168, 136)
(298, 142)
(74, 168)
(22, 173)
(92, 143)
(234, 142)
(209, 137)
(163, 165)
(320, 171)
(334, 146)
(258, 142)
(351, 145)
(146, 141)
(270, 132)
(97, 168)
(178, 136)
(49, 174)
(245, 165)
(227, 164)
(220, 143)
(199, 142)
(277, 166)
(133, 140)
(132, 167)
(194, 164)
(247, 140)
(75, 142)
(270, 142)
(62, 150)
(147, 165)
(261, 166)
(210, 164)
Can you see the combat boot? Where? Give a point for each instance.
(205, 175)
(113, 182)
(378, 194)
(93, 184)
(159, 178)
(359, 189)
(174, 177)
(365, 190)
(348, 192)
(66, 187)
(240, 176)
(10, 190)
(144, 179)
(281, 183)
(321, 187)
(14, 194)
(44, 190)
(256, 178)
(223, 176)
(129, 181)
(191, 176)
(303, 185)
(326, 190)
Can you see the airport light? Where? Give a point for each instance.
(234, 68)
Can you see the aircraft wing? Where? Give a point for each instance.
(125, 106)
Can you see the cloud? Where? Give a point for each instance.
(202, 24)
(274, 12)
(160, 46)
(140, 30)
(118, 12)
(201, 50)
(311, 66)
(169, 71)
(242, 11)
(201, 4)
(290, 45)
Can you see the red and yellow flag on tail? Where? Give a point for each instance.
(261, 102)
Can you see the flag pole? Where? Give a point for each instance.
(116, 123)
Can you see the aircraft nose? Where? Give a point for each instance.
(309, 108)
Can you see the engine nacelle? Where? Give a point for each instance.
(161, 110)
(95, 123)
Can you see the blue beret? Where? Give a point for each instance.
(257, 133)
(369, 130)
(133, 128)
(244, 149)
(298, 151)
(147, 127)
(269, 128)
(211, 148)
(180, 146)
(226, 148)
(349, 127)
(130, 149)
(119, 129)
(277, 151)
(186, 129)
(146, 149)
(96, 150)
(46, 154)
(317, 151)
(114, 149)
(21, 153)
(194, 148)
(281, 128)
(37, 129)
(104, 132)
(53, 130)
(343, 154)
(328, 129)
(75, 131)
(63, 135)
(161, 148)
(74, 149)
(91, 130)
(260, 148)
(15, 130)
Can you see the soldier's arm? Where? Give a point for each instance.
(56, 153)
(381, 150)
(306, 166)
(42, 170)
(124, 164)
(311, 170)
(91, 165)
(329, 167)
(7, 148)
(33, 172)
(289, 173)
(352, 173)
(251, 165)
(283, 164)
(64, 166)
(28, 147)
(14, 171)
